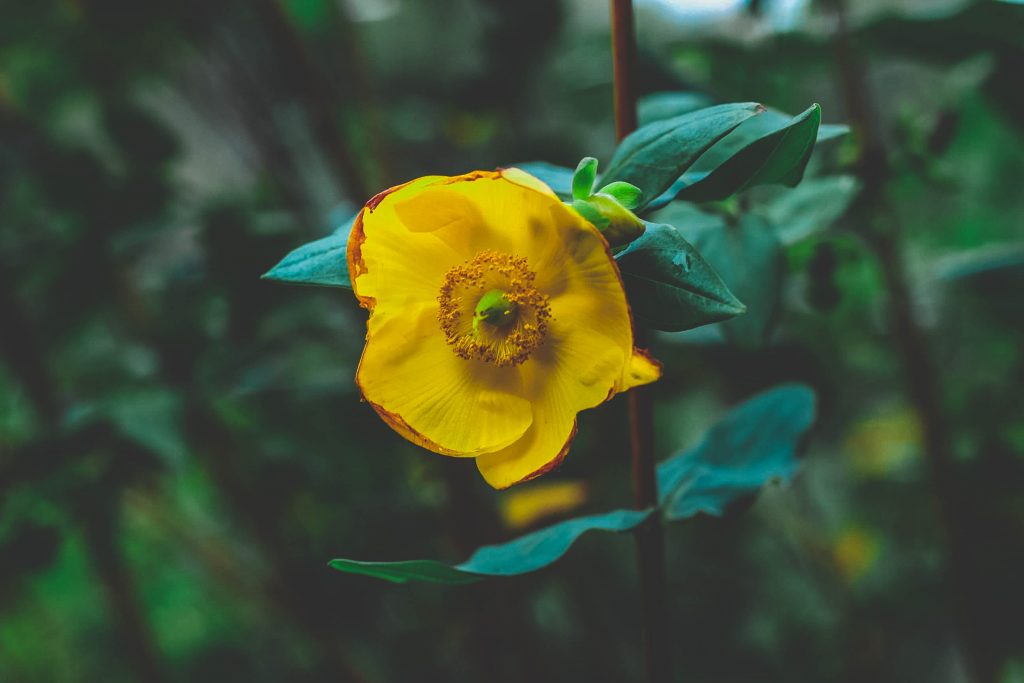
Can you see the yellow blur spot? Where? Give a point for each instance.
(524, 507)
(855, 552)
(884, 443)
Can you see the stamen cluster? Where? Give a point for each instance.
(461, 290)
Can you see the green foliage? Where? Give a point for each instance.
(753, 443)
(670, 287)
(321, 262)
(522, 555)
(768, 149)
(654, 156)
(810, 207)
(747, 255)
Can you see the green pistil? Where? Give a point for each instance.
(494, 308)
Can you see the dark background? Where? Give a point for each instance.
(182, 448)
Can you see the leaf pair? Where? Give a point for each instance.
(754, 443)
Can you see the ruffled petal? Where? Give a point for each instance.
(576, 371)
(392, 266)
(417, 384)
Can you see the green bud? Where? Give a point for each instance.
(618, 224)
(584, 177)
(625, 193)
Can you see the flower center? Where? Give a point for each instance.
(490, 310)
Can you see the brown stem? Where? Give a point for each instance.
(623, 63)
(650, 541)
(921, 376)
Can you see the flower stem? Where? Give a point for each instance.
(650, 541)
(623, 60)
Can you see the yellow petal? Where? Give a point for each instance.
(521, 177)
(641, 369)
(414, 381)
(575, 371)
(391, 265)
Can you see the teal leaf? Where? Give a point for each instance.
(558, 178)
(831, 131)
(754, 443)
(520, 556)
(810, 207)
(1004, 257)
(666, 105)
(669, 286)
(748, 256)
(321, 262)
(425, 571)
(654, 156)
(772, 149)
(584, 177)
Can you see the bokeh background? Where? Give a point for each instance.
(182, 448)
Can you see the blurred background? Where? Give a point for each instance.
(182, 448)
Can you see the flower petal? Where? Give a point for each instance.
(391, 266)
(576, 371)
(641, 369)
(420, 387)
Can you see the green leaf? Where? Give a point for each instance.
(666, 105)
(558, 178)
(670, 287)
(654, 156)
(624, 193)
(584, 177)
(810, 207)
(987, 259)
(768, 150)
(426, 571)
(831, 131)
(321, 262)
(754, 443)
(520, 556)
(748, 256)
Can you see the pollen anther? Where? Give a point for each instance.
(490, 309)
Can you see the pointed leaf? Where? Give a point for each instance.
(754, 443)
(654, 156)
(748, 256)
(670, 287)
(771, 149)
(520, 556)
(321, 262)
(812, 206)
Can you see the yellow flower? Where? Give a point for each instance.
(496, 314)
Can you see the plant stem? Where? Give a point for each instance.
(922, 377)
(650, 541)
(623, 62)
